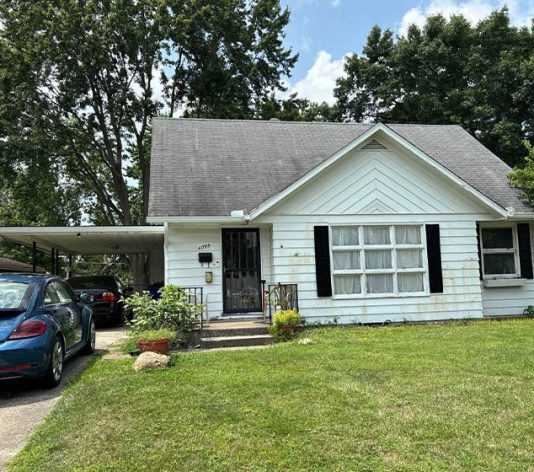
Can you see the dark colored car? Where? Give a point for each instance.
(41, 325)
(103, 293)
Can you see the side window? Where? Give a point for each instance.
(63, 292)
(50, 295)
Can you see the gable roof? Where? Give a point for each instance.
(205, 167)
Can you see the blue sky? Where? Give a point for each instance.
(324, 31)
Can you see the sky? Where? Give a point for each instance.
(323, 32)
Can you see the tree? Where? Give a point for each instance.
(447, 72)
(90, 70)
(293, 109)
(523, 177)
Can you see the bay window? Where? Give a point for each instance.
(378, 259)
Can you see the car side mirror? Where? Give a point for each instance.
(83, 297)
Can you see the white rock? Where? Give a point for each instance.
(151, 360)
(305, 341)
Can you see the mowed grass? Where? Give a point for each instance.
(427, 397)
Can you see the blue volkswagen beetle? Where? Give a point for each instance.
(41, 325)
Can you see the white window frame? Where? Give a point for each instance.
(514, 250)
(362, 271)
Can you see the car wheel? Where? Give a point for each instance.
(89, 347)
(54, 373)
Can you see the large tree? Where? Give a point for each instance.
(92, 73)
(448, 71)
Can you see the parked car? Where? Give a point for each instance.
(103, 293)
(42, 324)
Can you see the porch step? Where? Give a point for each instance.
(213, 342)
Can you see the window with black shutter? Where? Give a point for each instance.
(433, 250)
(322, 261)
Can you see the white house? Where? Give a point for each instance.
(374, 223)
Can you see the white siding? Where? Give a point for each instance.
(377, 182)
(183, 268)
(294, 262)
(498, 301)
(377, 187)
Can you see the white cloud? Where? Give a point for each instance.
(473, 10)
(335, 3)
(320, 80)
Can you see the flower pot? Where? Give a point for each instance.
(161, 346)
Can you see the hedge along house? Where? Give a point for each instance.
(374, 223)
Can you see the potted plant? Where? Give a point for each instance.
(284, 324)
(158, 340)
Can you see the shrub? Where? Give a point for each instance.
(172, 311)
(529, 311)
(284, 323)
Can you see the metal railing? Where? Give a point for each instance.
(281, 297)
(196, 296)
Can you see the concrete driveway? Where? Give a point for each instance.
(23, 405)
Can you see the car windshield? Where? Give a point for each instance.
(93, 283)
(13, 295)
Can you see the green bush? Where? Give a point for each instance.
(172, 311)
(284, 323)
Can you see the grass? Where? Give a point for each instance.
(426, 397)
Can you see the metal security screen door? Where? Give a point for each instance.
(241, 270)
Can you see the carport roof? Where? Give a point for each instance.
(87, 240)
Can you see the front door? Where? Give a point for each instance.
(241, 270)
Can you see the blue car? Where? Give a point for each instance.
(41, 325)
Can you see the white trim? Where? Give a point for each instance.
(362, 272)
(514, 251)
(269, 203)
(47, 230)
(495, 283)
(198, 219)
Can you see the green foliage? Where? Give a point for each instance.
(88, 119)
(529, 311)
(284, 324)
(447, 72)
(294, 109)
(172, 311)
(523, 177)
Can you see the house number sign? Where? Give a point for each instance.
(203, 247)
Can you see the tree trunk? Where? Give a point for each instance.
(140, 269)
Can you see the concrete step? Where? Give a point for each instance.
(216, 332)
(235, 341)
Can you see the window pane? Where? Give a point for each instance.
(499, 264)
(409, 258)
(345, 236)
(378, 259)
(410, 282)
(346, 260)
(380, 283)
(408, 234)
(346, 284)
(497, 238)
(374, 235)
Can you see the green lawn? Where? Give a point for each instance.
(428, 397)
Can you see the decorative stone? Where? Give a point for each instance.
(305, 341)
(151, 360)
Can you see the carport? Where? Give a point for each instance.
(92, 240)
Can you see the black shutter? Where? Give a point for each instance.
(322, 261)
(525, 252)
(433, 249)
(479, 253)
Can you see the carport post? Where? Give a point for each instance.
(34, 253)
(53, 261)
(69, 268)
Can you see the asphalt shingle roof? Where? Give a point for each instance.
(211, 167)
